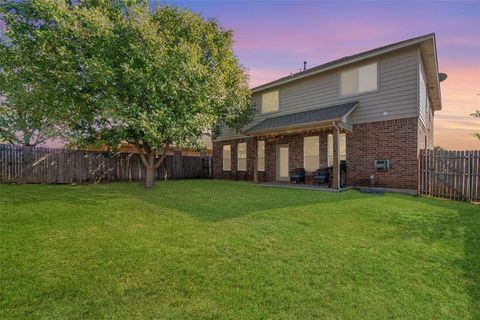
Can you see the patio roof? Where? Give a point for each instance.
(311, 118)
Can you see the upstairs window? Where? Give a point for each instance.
(270, 101)
(342, 148)
(242, 156)
(227, 158)
(261, 156)
(359, 80)
(311, 153)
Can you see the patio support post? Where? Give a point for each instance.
(255, 160)
(336, 166)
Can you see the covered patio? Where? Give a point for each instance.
(333, 120)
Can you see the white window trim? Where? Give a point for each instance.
(340, 95)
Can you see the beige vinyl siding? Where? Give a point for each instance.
(396, 95)
(422, 94)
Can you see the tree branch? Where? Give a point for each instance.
(162, 157)
(142, 154)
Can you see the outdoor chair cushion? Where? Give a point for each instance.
(321, 176)
(297, 175)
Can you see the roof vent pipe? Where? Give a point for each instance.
(304, 65)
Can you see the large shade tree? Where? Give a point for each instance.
(29, 114)
(51, 73)
(155, 78)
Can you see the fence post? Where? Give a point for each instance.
(469, 177)
(210, 167)
(420, 172)
(427, 173)
(45, 165)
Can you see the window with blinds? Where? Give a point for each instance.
(242, 156)
(261, 155)
(311, 153)
(227, 158)
(270, 101)
(359, 80)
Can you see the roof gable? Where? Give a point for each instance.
(428, 49)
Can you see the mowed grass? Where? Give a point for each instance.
(204, 249)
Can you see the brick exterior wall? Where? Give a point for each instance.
(218, 172)
(295, 144)
(395, 140)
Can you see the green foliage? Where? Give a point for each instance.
(29, 113)
(112, 71)
(120, 71)
(248, 252)
(51, 74)
(476, 114)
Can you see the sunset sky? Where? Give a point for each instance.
(272, 39)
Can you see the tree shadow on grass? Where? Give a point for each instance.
(213, 201)
(205, 200)
(447, 221)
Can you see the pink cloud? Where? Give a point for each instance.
(261, 76)
(456, 139)
(454, 127)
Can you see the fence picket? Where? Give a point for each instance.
(450, 174)
(43, 165)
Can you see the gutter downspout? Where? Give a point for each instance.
(337, 128)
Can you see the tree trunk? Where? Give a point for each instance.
(147, 155)
(150, 170)
(149, 176)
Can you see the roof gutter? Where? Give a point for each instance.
(312, 125)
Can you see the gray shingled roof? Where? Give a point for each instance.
(338, 61)
(303, 118)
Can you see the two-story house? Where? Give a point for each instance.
(375, 105)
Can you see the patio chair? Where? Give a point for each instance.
(297, 175)
(321, 176)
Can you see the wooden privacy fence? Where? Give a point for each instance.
(45, 165)
(450, 174)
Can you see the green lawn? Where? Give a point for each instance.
(205, 249)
